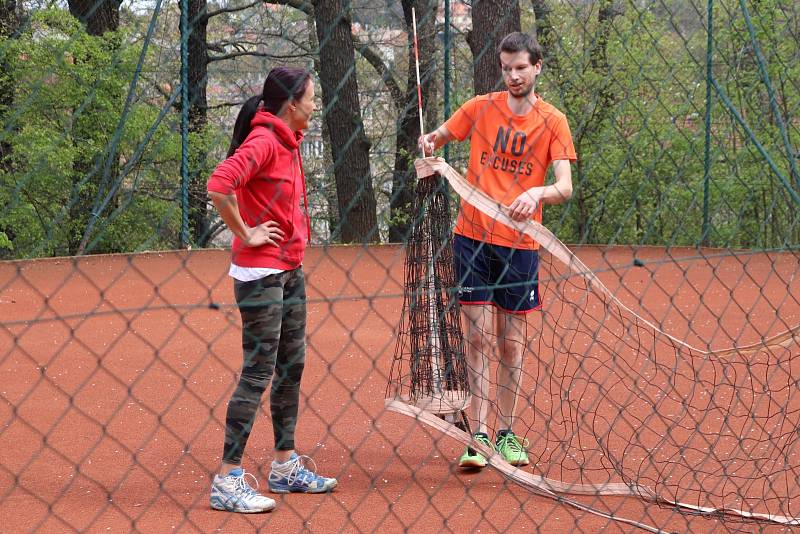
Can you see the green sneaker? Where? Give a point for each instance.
(472, 458)
(512, 449)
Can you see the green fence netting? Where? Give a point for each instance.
(120, 335)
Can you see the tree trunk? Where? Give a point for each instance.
(9, 22)
(599, 56)
(99, 16)
(325, 184)
(547, 38)
(408, 132)
(584, 225)
(491, 21)
(199, 222)
(349, 143)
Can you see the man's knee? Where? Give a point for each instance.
(479, 344)
(511, 353)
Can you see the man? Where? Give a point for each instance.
(514, 136)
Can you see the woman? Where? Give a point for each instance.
(258, 190)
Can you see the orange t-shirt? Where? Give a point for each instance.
(509, 154)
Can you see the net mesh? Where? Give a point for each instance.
(608, 398)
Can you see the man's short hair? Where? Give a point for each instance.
(520, 42)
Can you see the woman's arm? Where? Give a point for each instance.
(266, 233)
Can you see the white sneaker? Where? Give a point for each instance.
(232, 493)
(294, 477)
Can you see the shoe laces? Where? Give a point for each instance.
(512, 442)
(240, 485)
(299, 471)
(480, 438)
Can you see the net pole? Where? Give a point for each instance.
(430, 283)
(419, 85)
(447, 69)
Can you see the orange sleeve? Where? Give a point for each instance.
(460, 124)
(561, 146)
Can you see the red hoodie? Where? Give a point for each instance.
(266, 174)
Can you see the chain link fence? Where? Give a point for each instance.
(120, 338)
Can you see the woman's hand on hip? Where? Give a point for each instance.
(267, 233)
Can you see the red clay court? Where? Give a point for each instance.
(115, 372)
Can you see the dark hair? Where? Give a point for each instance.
(282, 84)
(520, 42)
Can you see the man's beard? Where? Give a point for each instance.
(521, 91)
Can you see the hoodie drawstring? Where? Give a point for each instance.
(305, 195)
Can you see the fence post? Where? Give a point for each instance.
(184, 123)
(707, 157)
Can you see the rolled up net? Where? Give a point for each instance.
(428, 370)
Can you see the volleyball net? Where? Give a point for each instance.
(611, 403)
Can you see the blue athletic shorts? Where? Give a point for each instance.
(491, 274)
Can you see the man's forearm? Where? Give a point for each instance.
(561, 190)
(556, 193)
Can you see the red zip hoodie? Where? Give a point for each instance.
(266, 174)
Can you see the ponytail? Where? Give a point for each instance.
(242, 127)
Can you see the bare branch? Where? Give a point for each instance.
(240, 43)
(210, 14)
(302, 5)
(233, 55)
(367, 52)
(226, 105)
(374, 59)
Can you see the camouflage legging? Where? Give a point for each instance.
(273, 313)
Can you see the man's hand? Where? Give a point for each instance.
(268, 233)
(526, 204)
(427, 143)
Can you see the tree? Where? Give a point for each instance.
(199, 220)
(491, 21)
(200, 57)
(57, 97)
(543, 31)
(598, 108)
(343, 121)
(92, 176)
(98, 16)
(408, 114)
(590, 99)
(356, 196)
(9, 23)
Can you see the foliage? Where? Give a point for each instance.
(70, 90)
(640, 178)
(633, 86)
